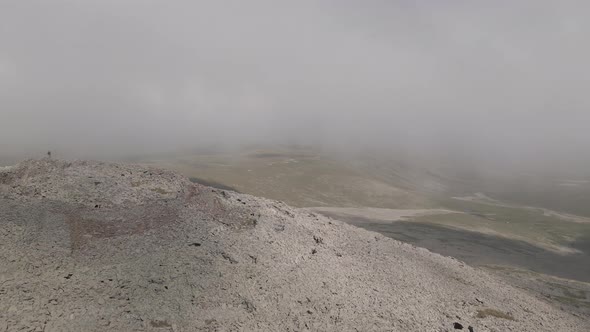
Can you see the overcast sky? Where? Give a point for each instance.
(506, 77)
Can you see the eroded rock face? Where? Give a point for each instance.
(88, 246)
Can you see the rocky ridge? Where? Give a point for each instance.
(91, 246)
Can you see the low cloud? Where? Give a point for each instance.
(499, 80)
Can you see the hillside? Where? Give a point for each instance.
(300, 177)
(90, 246)
(309, 178)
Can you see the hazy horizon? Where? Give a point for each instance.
(487, 82)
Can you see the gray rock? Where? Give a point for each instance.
(162, 253)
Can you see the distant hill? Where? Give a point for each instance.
(309, 177)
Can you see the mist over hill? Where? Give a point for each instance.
(459, 127)
(500, 86)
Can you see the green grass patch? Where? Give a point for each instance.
(524, 222)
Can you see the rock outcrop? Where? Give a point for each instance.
(90, 246)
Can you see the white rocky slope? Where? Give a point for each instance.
(88, 246)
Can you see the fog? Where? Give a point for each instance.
(499, 81)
